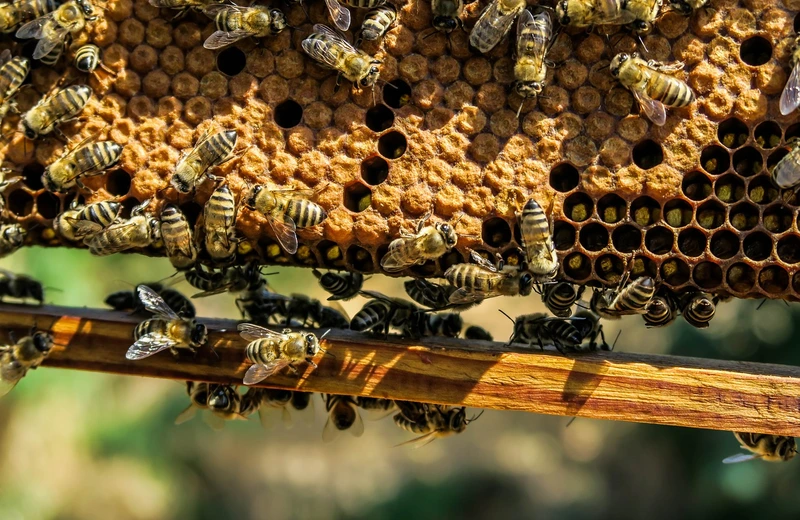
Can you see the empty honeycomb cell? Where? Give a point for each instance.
(392, 145)
(450, 259)
(691, 242)
(32, 175)
(761, 190)
(609, 268)
(677, 213)
(789, 249)
(777, 218)
(773, 279)
(374, 170)
(20, 203)
(732, 133)
(563, 235)
(231, 61)
(744, 216)
(626, 239)
(710, 215)
(729, 188)
(397, 93)
(379, 118)
(611, 208)
(724, 244)
(659, 240)
(645, 211)
(118, 182)
(360, 259)
(47, 205)
(747, 161)
(707, 275)
(357, 197)
(757, 246)
(577, 266)
(696, 186)
(768, 134)
(496, 232)
(755, 50)
(594, 237)
(126, 206)
(288, 114)
(675, 272)
(578, 207)
(564, 177)
(192, 211)
(715, 159)
(647, 154)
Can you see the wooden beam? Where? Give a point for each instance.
(678, 391)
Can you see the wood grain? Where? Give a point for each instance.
(679, 391)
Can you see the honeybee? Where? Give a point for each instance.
(588, 324)
(52, 57)
(494, 23)
(376, 404)
(86, 160)
(20, 286)
(786, 174)
(661, 311)
(10, 17)
(687, 7)
(538, 328)
(534, 37)
(166, 330)
(772, 448)
(377, 23)
(52, 29)
(333, 51)
(342, 416)
(790, 97)
(12, 74)
(540, 252)
(342, 286)
(229, 279)
(286, 210)
(381, 313)
(182, 6)
(177, 236)
(29, 9)
(432, 421)
(52, 110)
(80, 222)
(219, 224)
(651, 86)
(129, 300)
(236, 23)
(424, 323)
(630, 299)
(222, 401)
(87, 59)
(429, 243)
(433, 295)
(483, 280)
(271, 351)
(25, 354)
(138, 231)
(560, 297)
(586, 13)
(210, 151)
(478, 333)
(12, 236)
(698, 309)
(447, 15)
(271, 400)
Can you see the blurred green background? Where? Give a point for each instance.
(84, 445)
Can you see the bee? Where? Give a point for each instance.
(534, 37)
(286, 211)
(342, 286)
(586, 13)
(642, 14)
(539, 328)
(333, 51)
(261, 305)
(52, 29)
(429, 243)
(52, 110)
(447, 15)
(30, 9)
(223, 401)
(10, 17)
(267, 401)
(52, 57)
(13, 72)
(86, 160)
(540, 252)
(80, 222)
(138, 231)
(432, 421)
(560, 297)
(12, 236)
(375, 404)
(130, 301)
(687, 7)
(786, 174)
(790, 97)
(661, 311)
(210, 151)
(587, 322)
(377, 23)
(23, 355)
(433, 295)
(219, 224)
(167, 330)
(698, 309)
(381, 313)
(342, 416)
(229, 279)
(234, 23)
(651, 86)
(301, 400)
(424, 323)
(271, 351)
(478, 333)
(182, 6)
(483, 280)
(494, 23)
(630, 299)
(177, 236)
(20, 286)
(772, 448)
(87, 59)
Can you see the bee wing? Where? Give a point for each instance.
(155, 303)
(221, 39)
(252, 332)
(34, 28)
(214, 421)
(258, 372)
(190, 411)
(322, 50)
(5, 56)
(285, 232)
(496, 23)
(481, 261)
(790, 98)
(465, 296)
(6, 386)
(49, 42)
(84, 228)
(122, 228)
(213, 10)
(739, 457)
(654, 110)
(339, 14)
(420, 441)
(148, 345)
(394, 260)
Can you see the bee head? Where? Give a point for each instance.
(15, 234)
(87, 8)
(372, 76)
(528, 89)
(525, 284)
(219, 398)
(312, 345)
(36, 291)
(561, 12)
(43, 342)
(28, 130)
(617, 62)
(682, 7)
(200, 397)
(448, 234)
(641, 27)
(250, 201)
(445, 23)
(787, 448)
(199, 334)
(458, 420)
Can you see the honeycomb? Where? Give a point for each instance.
(691, 201)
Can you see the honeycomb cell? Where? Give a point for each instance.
(231, 61)
(594, 237)
(724, 244)
(564, 177)
(357, 197)
(496, 232)
(450, 259)
(32, 175)
(288, 114)
(643, 266)
(755, 51)
(118, 182)
(392, 145)
(609, 268)
(577, 266)
(563, 235)
(729, 188)
(747, 161)
(757, 246)
(732, 133)
(192, 211)
(691, 242)
(611, 208)
(647, 154)
(47, 205)
(789, 249)
(675, 272)
(677, 213)
(578, 207)
(715, 159)
(696, 186)
(379, 118)
(744, 216)
(374, 170)
(775, 157)
(761, 190)
(659, 240)
(360, 259)
(645, 211)
(330, 253)
(126, 206)
(773, 279)
(20, 203)
(741, 277)
(626, 239)
(793, 132)
(397, 93)
(707, 275)
(777, 219)
(768, 134)
(711, 215)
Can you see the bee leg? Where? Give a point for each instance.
(81, 185)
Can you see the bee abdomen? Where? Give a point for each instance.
(71, 100)
(559, 298)
(673, 92)
(99, 156)
(103, 213)
(305, 213)
(14, 73)
(221, 146)
(364, 4)
(699, 310)
(635, 297)
(371, 315)
(259, 351)
(659, 312)
(87, 58)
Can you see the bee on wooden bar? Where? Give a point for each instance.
(431, 421)
(138, 231)
(790, 97)
(772, 448)
(86, 160)
(342, 416)
(20, 286)
(629, 299)
(54, 109)
(52, 28)
(271, 351)
(588, 325)
(447, 15)
(381, 313)
(698, 309)
(79, 222)
(376, 404)
(560, 297)
(534, 37)
(177, 236)
(786, 174)
(483, 280)
(222, 401)
(286, 211)
(341, 286)
(13, 72)
(12, 236)
(219, 225)
(210, 151)
(494, 23)
(538, 328)
(333, 51)
(22, 355)
(540, 252)
(377, 23)
(234, 23)
(478, 333)
(429, 243)
(129, 300)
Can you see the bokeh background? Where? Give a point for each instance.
(77, 445)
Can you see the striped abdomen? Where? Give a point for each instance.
(68, 102)
(151, 326)
(305, 213)
(262, 351)
(134, 232)
(669, 90)
(699, 310)
(560, 297)
(534, 227)
(177, 236)
(219, 222)
(371, 315)
(218, 148)
(633, 298)
(377, 22)
(52, 57)
(363, 4)
(30, 9)
(87, 58)
(660, 312)
(473, 277)
(103, 213)
(12, 75)
(422, 427)
(97, 157)
(375, 403)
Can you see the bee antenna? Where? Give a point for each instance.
(519, 110)
(476, 417)
(431, 33)
(761, 304)
(324, 334)
(571, 421)
(214, 350)
(507, 316)
(615, 339)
